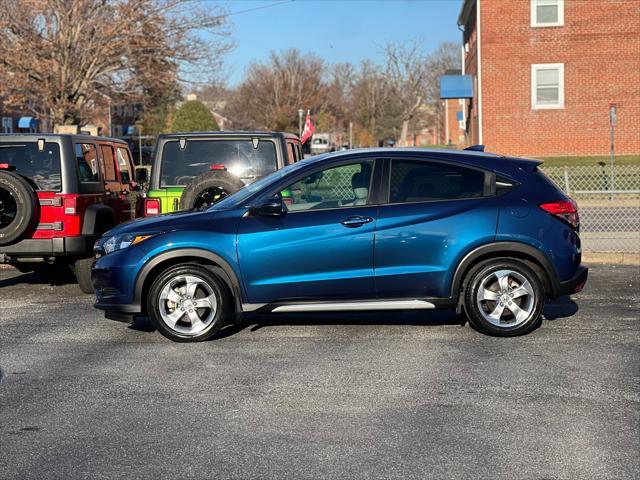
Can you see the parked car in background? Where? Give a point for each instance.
(378, 229)
(58, 194)
(321, 143)
(195, 170)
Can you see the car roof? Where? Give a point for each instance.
(450, 154)
(7, 137)
(225, 133)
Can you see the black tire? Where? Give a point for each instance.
(528, 306)
(208, 188)
(173, 276)
(82, 268)
(19, 208)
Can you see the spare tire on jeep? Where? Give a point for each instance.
(19, 208)
(207, 188)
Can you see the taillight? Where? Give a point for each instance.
(565, 210)
(151, 206)
(70, 205)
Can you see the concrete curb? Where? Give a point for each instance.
(611, 258)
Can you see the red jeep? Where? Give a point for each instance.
(58, 194)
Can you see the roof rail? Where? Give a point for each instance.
(476, 148)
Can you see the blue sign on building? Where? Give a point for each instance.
(456, 86)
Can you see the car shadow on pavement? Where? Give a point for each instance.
(256, 322)
(560, 308)
(55, 276)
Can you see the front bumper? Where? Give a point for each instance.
(80, 246)
(576, 283)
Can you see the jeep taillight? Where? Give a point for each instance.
(565, 210)
(70, 205)
(151, 206)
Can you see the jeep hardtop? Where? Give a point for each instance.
(194, 170)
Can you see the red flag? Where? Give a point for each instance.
(308, 129)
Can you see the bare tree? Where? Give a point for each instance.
(414, 77)
(61, 57)
(271, 93)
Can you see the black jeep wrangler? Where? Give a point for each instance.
(195, 170)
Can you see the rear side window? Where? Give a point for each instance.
(124, 160)
(417, 181)
(291, 153)
(87, 162)
(179, 166)
(109, 165)
(42, 167)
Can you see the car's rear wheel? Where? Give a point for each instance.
(504, 297)
(187, 303)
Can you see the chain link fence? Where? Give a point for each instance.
(609, 204)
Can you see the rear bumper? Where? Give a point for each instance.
(80, 246)
(576, 283)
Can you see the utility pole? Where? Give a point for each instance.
(300, 113)
(350, 135)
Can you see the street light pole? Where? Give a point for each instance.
(300, 113)
(109, 102)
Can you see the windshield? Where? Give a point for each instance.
(43, 168)
(238, 198)
(181, 166)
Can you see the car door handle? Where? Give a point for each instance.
(356, 221)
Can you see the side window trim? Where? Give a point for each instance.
(488, 185)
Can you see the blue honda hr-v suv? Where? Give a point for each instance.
(375, 229)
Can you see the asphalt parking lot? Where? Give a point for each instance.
(404, 395)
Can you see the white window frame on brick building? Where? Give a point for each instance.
(7, 125)
(558, 4)
(536, 103)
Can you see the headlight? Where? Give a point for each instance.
(118, 242)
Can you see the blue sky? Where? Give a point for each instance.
(338, 31)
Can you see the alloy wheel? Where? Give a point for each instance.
(506, 298)
(187, 304)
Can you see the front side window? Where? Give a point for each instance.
(181, 165)
(547, 86)
(43, 167)
(336, 187)
(547, 13)
(87, 162)
(418, 181)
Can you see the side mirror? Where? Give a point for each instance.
(125, 177)
(141, 175)
(271, 207)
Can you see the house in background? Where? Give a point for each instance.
(546, 75)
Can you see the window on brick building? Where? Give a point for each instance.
(547, 13)
(7, 125)
(547, 86)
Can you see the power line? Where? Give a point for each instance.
(253, 9)
(259, 8)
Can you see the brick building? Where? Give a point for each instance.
(546, 73)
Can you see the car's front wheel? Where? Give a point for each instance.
(504, 297)
(187, 303)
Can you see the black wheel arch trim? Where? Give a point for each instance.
(506, 248)
(91, 214)
(225, 271)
